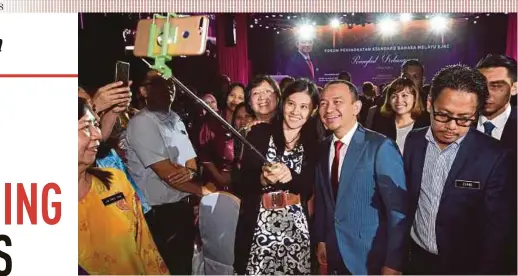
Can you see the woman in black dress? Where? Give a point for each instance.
(272, 235)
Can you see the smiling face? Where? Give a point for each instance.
(297, 109)
(235, 97)
(263, 99)
(338, 109)
(305, 46)
(402, 102)
(242, 118)
(89, 137)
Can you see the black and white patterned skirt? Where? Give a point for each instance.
(281, 243)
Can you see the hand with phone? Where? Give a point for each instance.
(114, 95)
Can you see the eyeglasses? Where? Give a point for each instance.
(257, 93)
(445, 118)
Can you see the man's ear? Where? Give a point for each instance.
(357, 107)
(514, 89)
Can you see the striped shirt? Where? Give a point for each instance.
(437, 165)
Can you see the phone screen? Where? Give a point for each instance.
(122, 72)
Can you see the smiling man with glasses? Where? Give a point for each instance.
(457, 178)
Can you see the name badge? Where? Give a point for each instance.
(112, 199)
(467, 184)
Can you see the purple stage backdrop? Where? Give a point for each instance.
(369, 56)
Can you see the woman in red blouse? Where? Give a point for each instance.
(216, 145)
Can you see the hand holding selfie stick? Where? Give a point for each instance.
(166, 72)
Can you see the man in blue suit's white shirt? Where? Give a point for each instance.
(361, 201)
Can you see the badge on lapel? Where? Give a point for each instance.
(118, 199)
(467, 184)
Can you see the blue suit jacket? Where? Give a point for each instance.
(297, 66)
(369, 220)
(472, 224)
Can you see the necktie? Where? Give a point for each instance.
(311, 69)
(335, 178)
(488, 128)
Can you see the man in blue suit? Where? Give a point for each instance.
(301, 64)
(361, 200)
(498, 120)
(458, 181)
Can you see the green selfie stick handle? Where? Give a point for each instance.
(167, 33)
(166, 72)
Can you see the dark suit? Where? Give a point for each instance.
(297, 66)
(366, 104)
(509, 140)
(368, 226)
(472, 223)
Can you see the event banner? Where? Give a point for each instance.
(373, 56)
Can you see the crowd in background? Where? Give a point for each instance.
(404, 177)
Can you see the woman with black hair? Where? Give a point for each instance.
(216, 145)
(272, 235)
(113, 235)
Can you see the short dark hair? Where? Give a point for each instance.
(352, 87)
(157, 84)
(344, 75)
(411, 62)
(285, 82)
(368, 89)
(461, 78)
(255, 82)
(234, 85)
(492, 61)
(230, 88)
(397, 86)
(234, 114)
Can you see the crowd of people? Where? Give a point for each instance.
(406, 177)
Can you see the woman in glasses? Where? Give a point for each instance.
(401, 112)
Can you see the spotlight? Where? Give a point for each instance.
(439, 24)
(405, 17)
(387, 27)
(306, 32)
(335, 23)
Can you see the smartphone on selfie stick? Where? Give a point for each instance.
(164, 37)
(187, 36)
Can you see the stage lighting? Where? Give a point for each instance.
(335, 23)
(387, 27)
(405, 17)
(439, 24)
(306, 32)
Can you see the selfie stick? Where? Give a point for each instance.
(166, 72)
